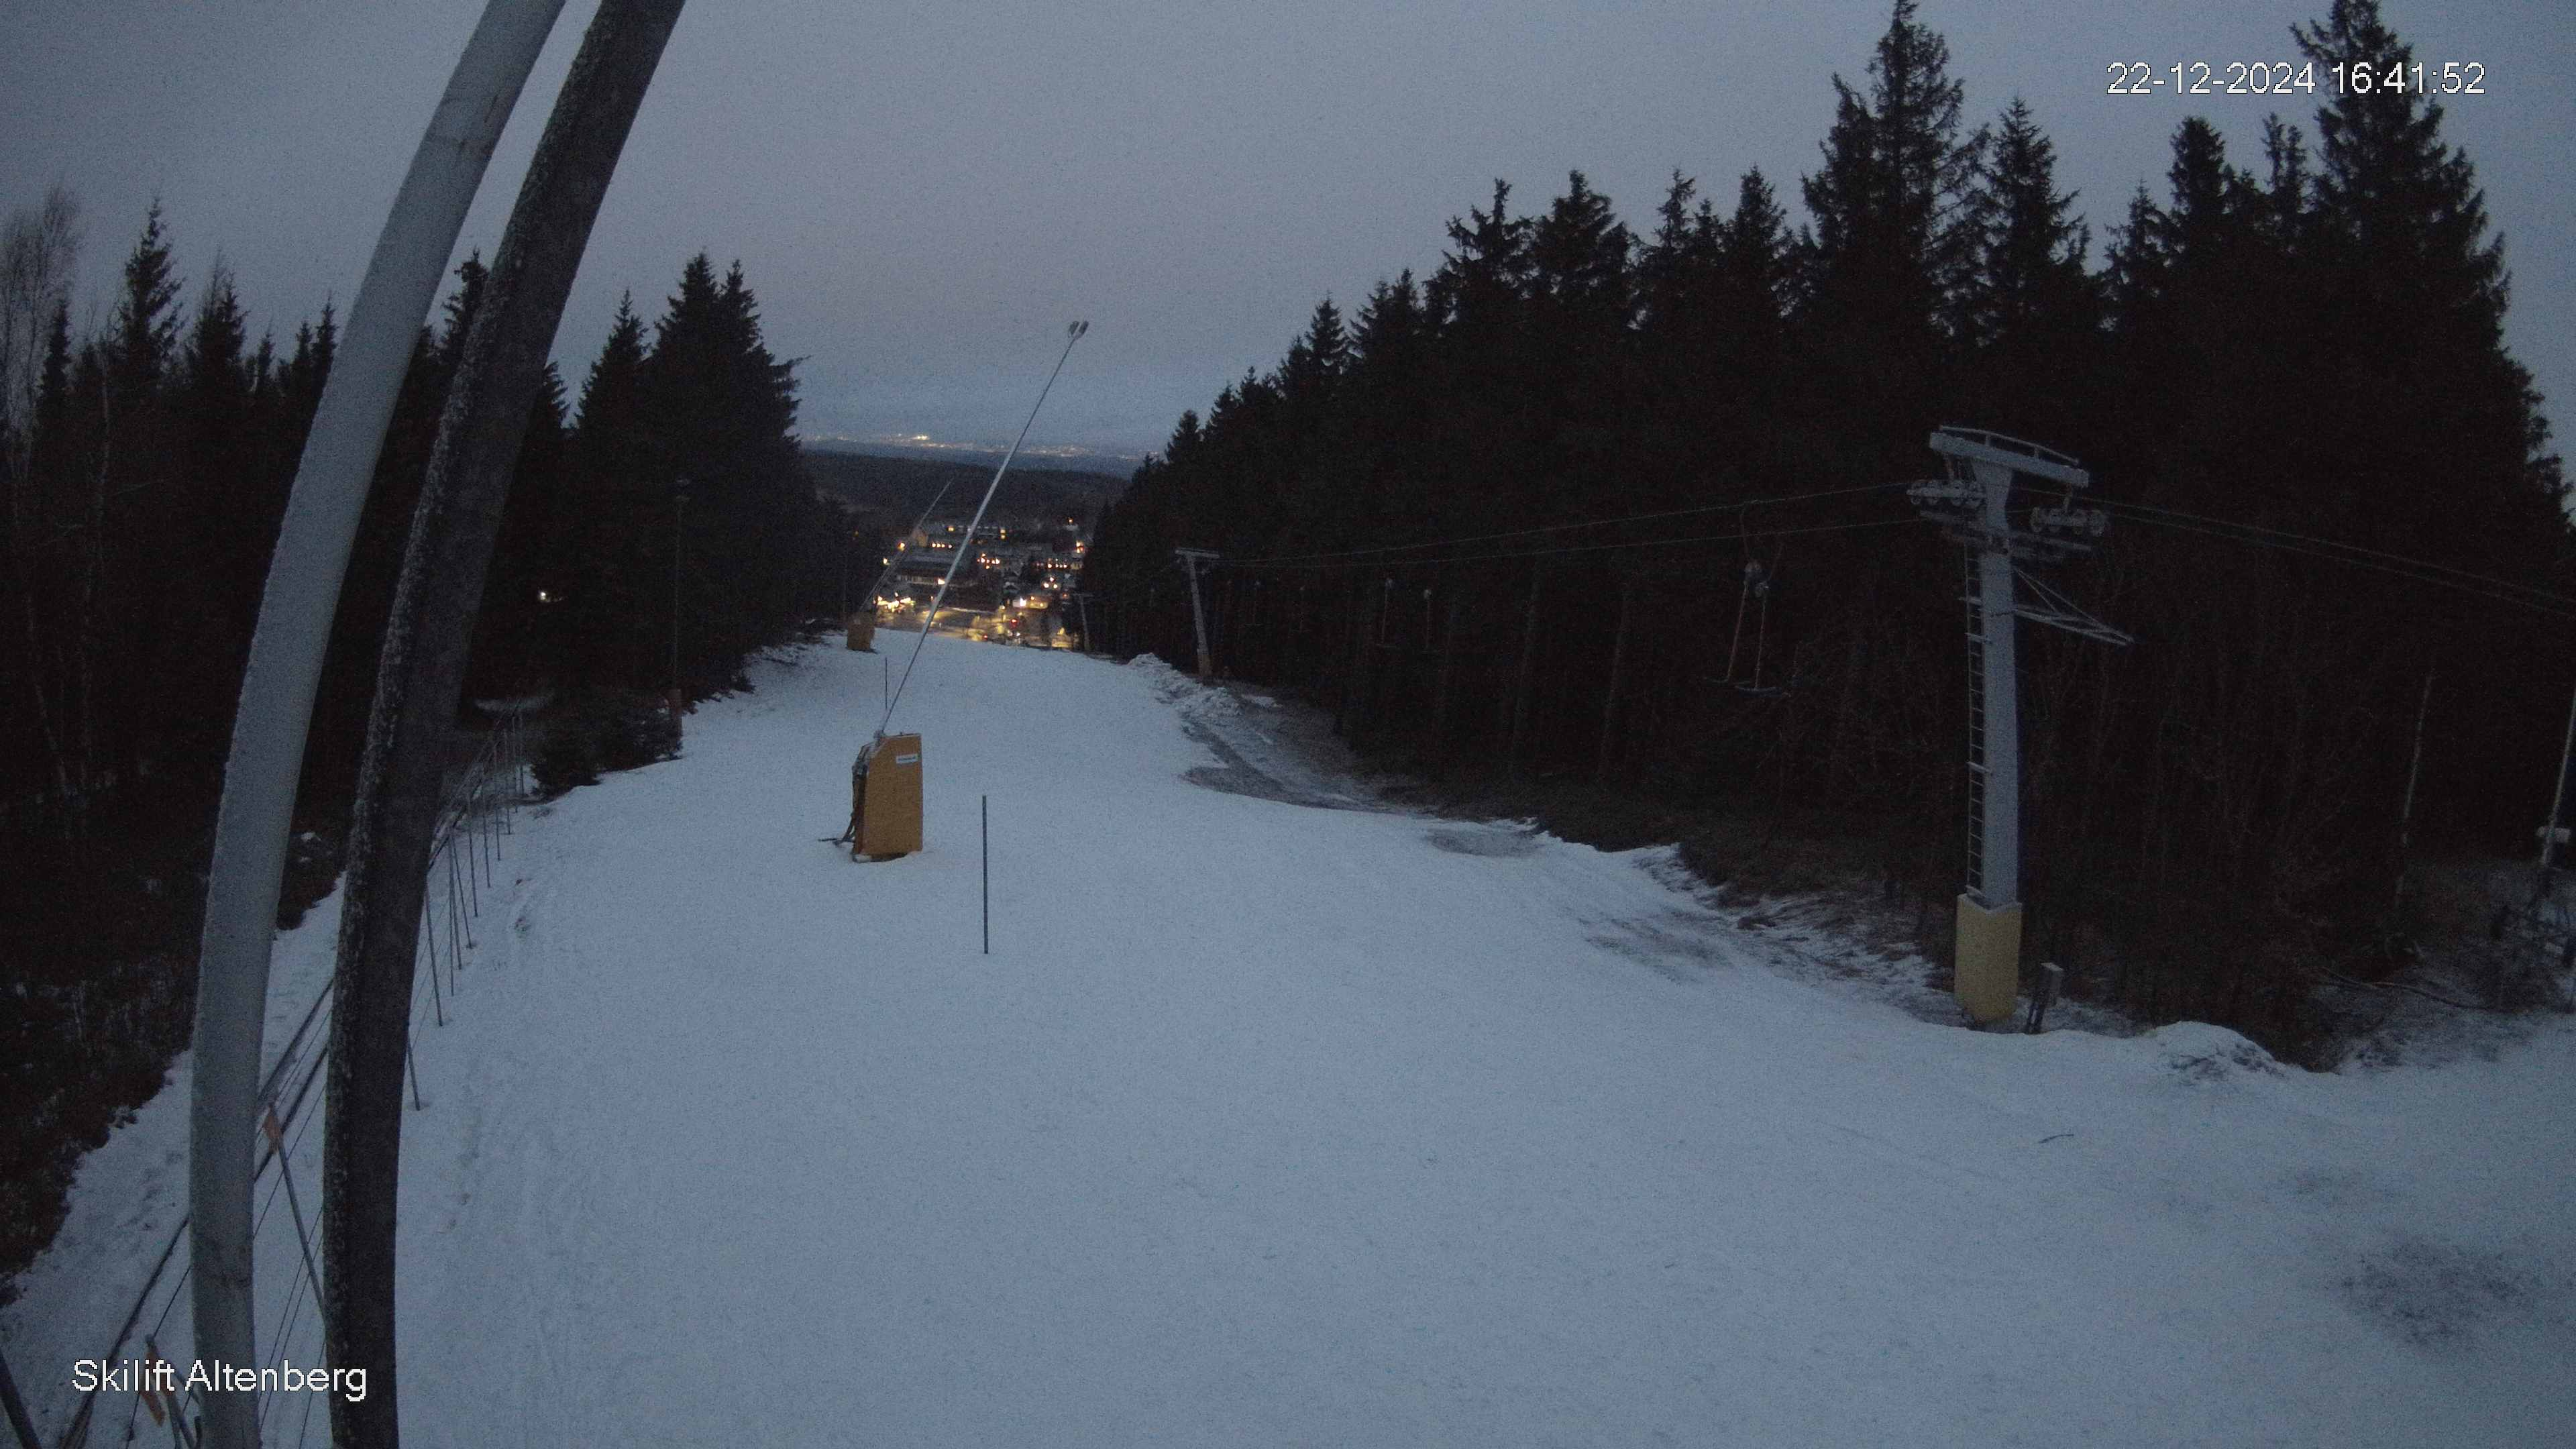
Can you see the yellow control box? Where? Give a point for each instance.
(887, 787)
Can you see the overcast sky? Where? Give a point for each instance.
(923, 194)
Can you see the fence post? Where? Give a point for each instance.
(17, 1409)
(2052, 977)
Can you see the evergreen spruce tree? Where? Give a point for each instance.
(471, 277)
(611, 410)
(1484, 433)
(1582, 314)
(2029, 312)
(1751, 275)
(1317, 359)
(1579, 257)
(519, 639)
(215, 378)
(144, 330)
(226, 522)
(2421, 433)
(1389, 395)
(1484, 276)
(2412, 308)
(604, 624)
(1683, 379)
(48, 450)
(720, 411)
(310, 368)
(136, 521)
(1889, 242)
(1673, 265)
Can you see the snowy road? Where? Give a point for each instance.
(1267, 1124)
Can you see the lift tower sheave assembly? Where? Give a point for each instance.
(1973, 505)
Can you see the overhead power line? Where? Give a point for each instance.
(2425, 571)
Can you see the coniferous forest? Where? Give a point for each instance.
(1609, 525)
(146, 469)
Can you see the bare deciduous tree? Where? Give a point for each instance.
(38, 249)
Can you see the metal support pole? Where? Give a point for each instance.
(679, 506)
(1972, 504)
(1618, 668)
(19, 1423)
(437, 1002)
(2557, 803)
(1999, 884)
(2052, 980)
(2414, 774)
(1986, 958)
(1521, 680)
(1192, 558)
(295, 1206)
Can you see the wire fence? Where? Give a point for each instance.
(143, 1395)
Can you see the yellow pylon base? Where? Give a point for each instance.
(1988, 979)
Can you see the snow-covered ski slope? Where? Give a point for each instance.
(1273, 1124)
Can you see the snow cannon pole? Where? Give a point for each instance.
(1072, 334)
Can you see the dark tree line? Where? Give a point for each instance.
(1422, 511)
(145, 471)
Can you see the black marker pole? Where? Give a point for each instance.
(986, 802)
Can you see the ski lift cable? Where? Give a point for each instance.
(1691, 512)
(2135, 509)
(1583, 547)
(2549, 604)
(1072, 334)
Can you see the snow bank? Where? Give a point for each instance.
(1188, 698)
(2200, 1052)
